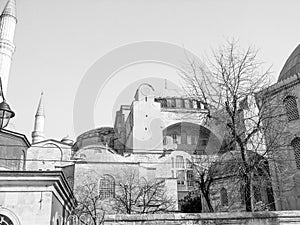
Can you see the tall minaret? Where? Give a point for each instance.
(8, 21)
(39, 123)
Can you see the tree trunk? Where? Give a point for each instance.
(248, 201)
(207, 200)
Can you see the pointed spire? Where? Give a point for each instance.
(10, 8)
(40, 110)
(39, 123)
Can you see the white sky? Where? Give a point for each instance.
(59, 40)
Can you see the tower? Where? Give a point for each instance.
(8, 21)
(39, 123)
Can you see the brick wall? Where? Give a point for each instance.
(257, 218)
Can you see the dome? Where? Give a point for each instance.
(67, 140)
(291, 66)
(102, 135)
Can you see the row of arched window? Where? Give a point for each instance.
(180, 103)
(185, 138)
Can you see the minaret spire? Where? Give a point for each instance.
(8, 21)
(39, 122)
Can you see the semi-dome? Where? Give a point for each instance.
(291, 66)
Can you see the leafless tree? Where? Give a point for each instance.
(90, 208)
(230, 87)
(137, 196)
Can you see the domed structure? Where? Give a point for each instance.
(291, 66)
(102, 136)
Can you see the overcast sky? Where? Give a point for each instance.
(58, 41)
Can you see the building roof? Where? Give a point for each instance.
(291, 66)
(10, 8)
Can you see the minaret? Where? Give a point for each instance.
(39, 123)
(8, 21)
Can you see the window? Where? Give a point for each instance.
(290, 104)
(224, 197)
(173, 103)
(194, 138)
(107, 186)
(165, 141)
(172, 162)
(174, 136)
(296, 145)
(179, 103)
(183, 137)
(189, 139)
(189, 175)
(180, 177)
(179, 161)
(187, 103)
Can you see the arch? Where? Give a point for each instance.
(106, 186)
(290, 104)
(196, 133)
(224, 197)
(53, 149)
(8, 213)
(296, 146)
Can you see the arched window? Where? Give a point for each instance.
(290, 103)
(107, 186)
(296, 145)
(224, 197)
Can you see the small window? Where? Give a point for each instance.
(290, 103)
(296, 145)
(224, 197)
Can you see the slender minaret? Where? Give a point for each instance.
(8, 21)
(39, 123)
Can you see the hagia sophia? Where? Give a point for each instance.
(159, 137)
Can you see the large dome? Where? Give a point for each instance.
(291, 66)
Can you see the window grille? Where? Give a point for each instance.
(224, 197)
(296, 145)
(107, 187)
(290, 104)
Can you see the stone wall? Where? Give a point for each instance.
(256, 218)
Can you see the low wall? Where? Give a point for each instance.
(236, 218)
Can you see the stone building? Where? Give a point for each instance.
(285, 95)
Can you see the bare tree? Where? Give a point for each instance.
(229, 87)
(136, 196)
(90, 208)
